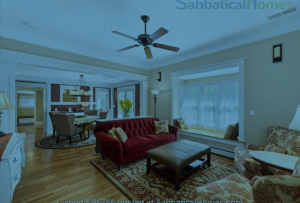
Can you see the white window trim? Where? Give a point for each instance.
(239, 63)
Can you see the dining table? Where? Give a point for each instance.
(85, 121)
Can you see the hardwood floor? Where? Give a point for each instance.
(62, 174)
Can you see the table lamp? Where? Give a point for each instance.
(4, 104)
(295, 125)
(155, 92)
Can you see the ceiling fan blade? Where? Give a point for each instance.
(124, 35)
(158, 33)
(148, 53)
(130, 47)
(167, 47)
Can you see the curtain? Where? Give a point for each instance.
(214, 105)
(26, 102)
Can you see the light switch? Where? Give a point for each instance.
(252, 113)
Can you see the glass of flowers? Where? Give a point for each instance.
(125, 106)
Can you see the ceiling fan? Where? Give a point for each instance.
(147, 40)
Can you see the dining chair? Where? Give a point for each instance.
(65, 126)
(102, 115)
(51, 113)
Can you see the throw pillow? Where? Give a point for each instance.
(121, 134)
(175, 121)
(182, 124)
(112, 133)
(228, 132)
(273, 148)
(161, 127)
(235, 132)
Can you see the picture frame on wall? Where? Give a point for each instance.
(277, 53)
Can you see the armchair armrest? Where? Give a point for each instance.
(174, 130)
(252, 165)
(277, 189)
(255, 147)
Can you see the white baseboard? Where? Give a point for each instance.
(223, 152)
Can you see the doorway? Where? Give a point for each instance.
(31, 105)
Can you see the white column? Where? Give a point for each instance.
(144, 98)
(48, 103)
(112, 109)
(8, 84)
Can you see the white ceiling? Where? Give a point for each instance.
(84, 27)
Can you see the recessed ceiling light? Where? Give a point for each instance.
(29, 24)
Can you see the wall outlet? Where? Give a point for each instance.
(252, 113)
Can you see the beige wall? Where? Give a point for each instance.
(24, 112)
(39, 106)
(271, 89)
(213, 79)
(24, 47)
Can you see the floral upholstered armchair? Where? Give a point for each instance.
(281, 140)
(267, 189)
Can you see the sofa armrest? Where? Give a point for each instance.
(174, 130)
(255, 147)
(110, 148)
(277, 189)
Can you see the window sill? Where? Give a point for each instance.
(211, 135)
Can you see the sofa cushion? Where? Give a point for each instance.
(136, 144)
(182, 124)
(228, 132)
(121, 134)
(161, 127)
(161, 139)
(112, 133)
(273, 148)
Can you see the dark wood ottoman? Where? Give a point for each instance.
(178, 159)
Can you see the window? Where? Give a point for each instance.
(102, 99)
(26, 102)
(213, 105)
(126, 93)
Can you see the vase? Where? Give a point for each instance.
(126, 114)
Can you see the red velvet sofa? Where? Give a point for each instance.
(141, 138)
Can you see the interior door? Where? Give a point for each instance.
(127, 92)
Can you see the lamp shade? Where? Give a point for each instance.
(295, 125)
(5, 102)
(155, 92)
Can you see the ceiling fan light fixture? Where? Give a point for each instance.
(147, 40)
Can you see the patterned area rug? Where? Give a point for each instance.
(135, 184)
(50, 143)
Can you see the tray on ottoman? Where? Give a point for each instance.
(178, 159)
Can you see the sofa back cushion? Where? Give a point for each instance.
(286, 139)
(132, 127)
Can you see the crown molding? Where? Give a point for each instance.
(46, 62)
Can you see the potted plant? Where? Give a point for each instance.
(125, 106)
